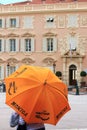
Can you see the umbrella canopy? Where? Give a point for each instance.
(37, 94)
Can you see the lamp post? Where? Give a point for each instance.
(8, 65)
(54, 66)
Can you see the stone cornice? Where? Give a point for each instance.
(27, 60)
(73, 54)
(12, 35)
(28, 35)
(43, 8)
(12, 61)
(49, 34)
(49, 60)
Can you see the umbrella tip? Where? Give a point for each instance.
(45, 82)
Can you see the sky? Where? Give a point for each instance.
(10, 1)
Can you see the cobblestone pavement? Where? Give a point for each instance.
(76, 119)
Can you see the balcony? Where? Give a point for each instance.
(76, 6)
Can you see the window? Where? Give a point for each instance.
(27, 44)
(12, 69)
(50, 19)
(28, 22)
(0, 45)
(0, 23)
(73, 43)
(13, 22)
(12, 45)
(72, 20)
(49, 44)
(50, 23)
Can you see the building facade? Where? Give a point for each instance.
(48, 33)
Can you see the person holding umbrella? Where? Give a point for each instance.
(17, 120)
(37, 95)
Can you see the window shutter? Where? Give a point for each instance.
(25, 22)
(32, 44)
(54, 44)
(17, 44)
(44, 44)
(28, 22)
(22, 49)
(3, 23)
(7, 45)
(7, 23)
(17, 22)
(6, 71)
(2, 45)
(2, 71)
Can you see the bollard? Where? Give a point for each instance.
(77, 90)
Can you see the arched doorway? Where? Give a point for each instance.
(72, 74)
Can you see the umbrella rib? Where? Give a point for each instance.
(59, 91)
(35, 103)
(25, 78)
(23, 92)
(55, 87)
(53, 104)
(52, 108)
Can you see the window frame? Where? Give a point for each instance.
(13, 22)
(49, 44)
(0, 23)
(12, 45)
(28, 44)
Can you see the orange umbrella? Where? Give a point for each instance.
(37, 94)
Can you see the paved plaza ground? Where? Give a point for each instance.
(76, 119)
